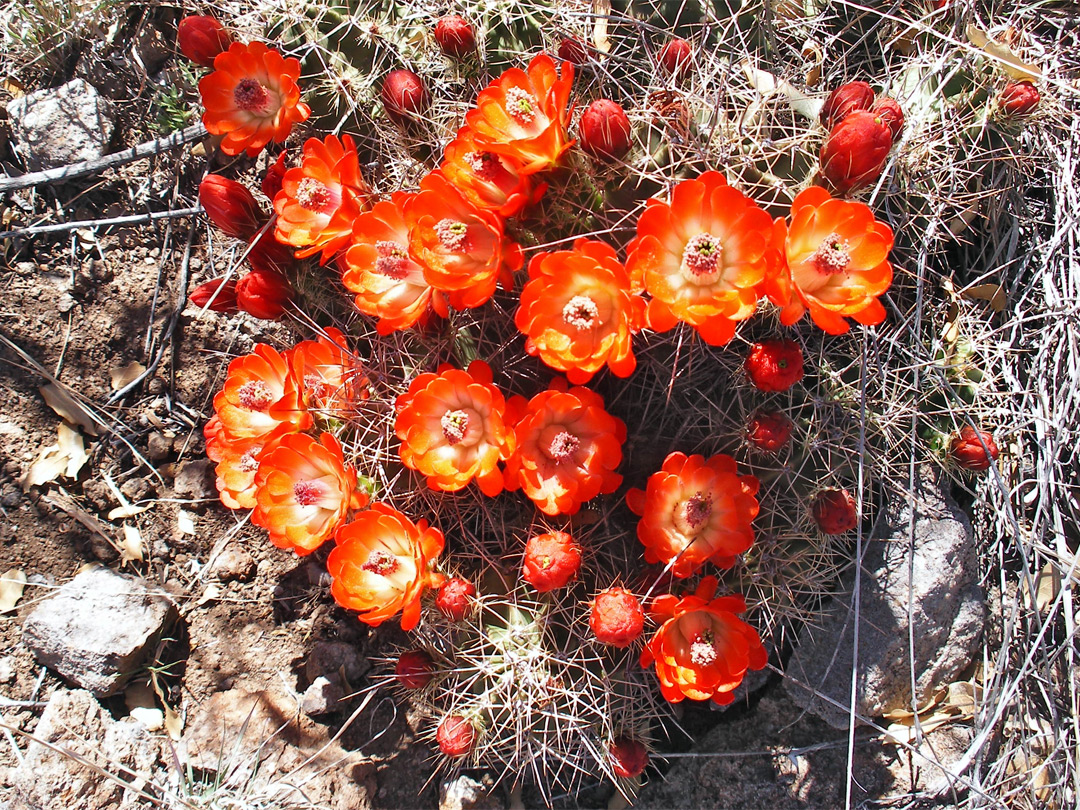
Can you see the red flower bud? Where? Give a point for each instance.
(967, 449)
(1019, 98)
(604, 130)
(834, 512)
(230, 206)
(844, 100)
(616, 617)
(223, 301)
(889, 111)
(454, 598)
(628, 756)
(855, 151)
(675, 57)
(455, 735)
(414, 669)
(264, 294)
(774, 365)
(768, 431)
(574, 51)
(201, 39)
(404, 95)
(455, 36)
(551, 561)
(269, 255)
(271, 184)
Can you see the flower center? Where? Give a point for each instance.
(311, 194)
(485, 165)
(701, 259)
(832, 256)
(703, 650)
(391, 262)
(580, 312)
(305, 493)
(247, 461)
(255, 395)
(454, 426)
(250, 96)
(452, 234)
(563, 446)
(381, 562)
(692, 515)
(520, 105)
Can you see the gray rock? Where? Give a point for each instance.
(334, 658)
(932, 541)
(466, 793)
(74, 721)
(7, 669)
(195, 480)
(233, 564)
(61, 125)
(158, 446)
(99, 628)
(321, 697)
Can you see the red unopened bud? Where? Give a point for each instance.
(271, 184)
(455, 36)
(574, 51)
(551, 561)
(675, 57)
(414, 669)
(628, 756)
(201, 39)
(454, 598)
(264, 294)
(968, 450)
(834, 512)
(404, 95)
(604, 130)
(768, 431)
(844, 100)
(1019, 98)
(230, 206)
(616, 617)
(268, 254)
(774, 365)
(889, 111)
(855, 151)
(455, 735)
(220, 296)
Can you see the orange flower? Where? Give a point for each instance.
(486, 179)
(524, 114)
(382, 564)
(251, 98)
(834, 262)
(259, 395)
(452, 428)
(331, 376)
(303, 491)
(320, 198)
(579, 313)
(461, 247)
(237, 462)
(388, 283)
(701, 257)
(702, 650)
(568, 448)
(694, 511)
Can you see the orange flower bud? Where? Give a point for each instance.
(855, 151)
(414, 669)
(230, 206)
(454, 598)
(551, 561)
(1019, 98)
(675, 57)
(834, 511)
(774, 365)
(768, 431)
(264, 294)
(219, 301)
(604, 130)
(844, 100)
(455, 735)
(890, 111)
(202, 38)
(628, 756)
(574, 51)
(968, 451)
(616, 617)
(404, 95)
(455, 36)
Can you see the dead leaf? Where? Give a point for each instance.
(11, 589)
(1012, 64)
(767, 84)
(12, 86)
(813, 56)
(67, 407)
(65, 458)
(1047, 587)
(125, 375)
(601, 12)
(131, 550)
(174, 725)
(211, 593)
(126, 511)
(987, 292)
(185, 522)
